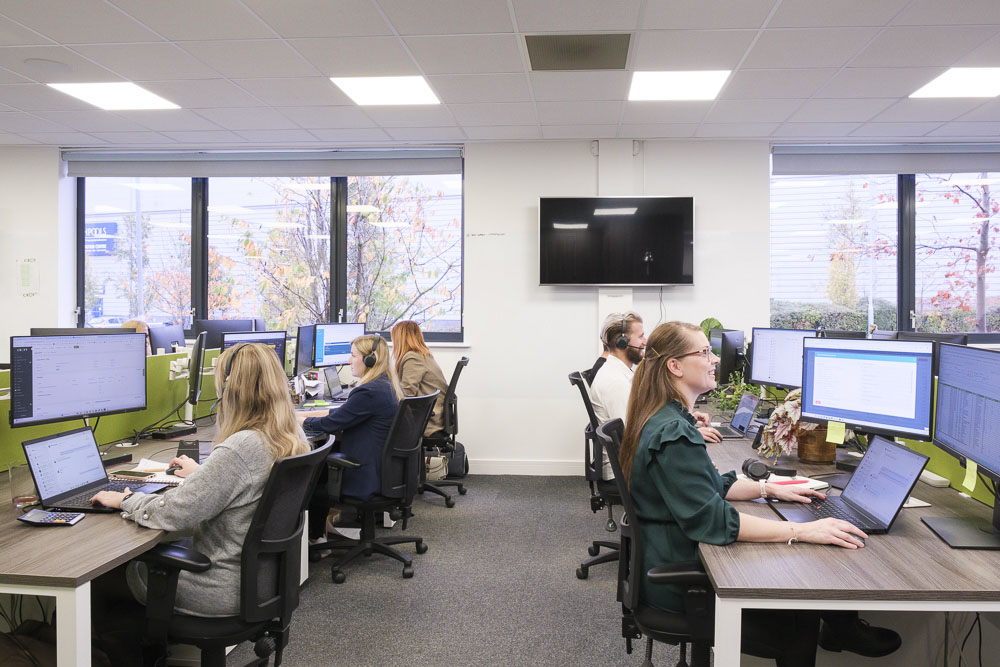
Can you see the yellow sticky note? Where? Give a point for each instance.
(971, 468)
(835, 432)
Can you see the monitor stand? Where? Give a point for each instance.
(966, 532)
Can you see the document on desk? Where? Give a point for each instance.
(159, 475)
(798, 480)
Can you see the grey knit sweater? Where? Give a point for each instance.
(216, 502)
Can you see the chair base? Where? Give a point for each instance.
(435, 487)
(366, 545)
(610, 556)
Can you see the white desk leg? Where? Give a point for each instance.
(73, 626)
(304, 556)
(728, 631)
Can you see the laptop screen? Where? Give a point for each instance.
(744, 412)
(884, 478)
(64, 462)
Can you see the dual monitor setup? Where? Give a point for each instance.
(886, 385)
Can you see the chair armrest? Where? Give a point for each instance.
(338, 460)
(683, 573)
(176, 557)
(164, 563)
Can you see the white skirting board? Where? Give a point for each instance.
(521, 467)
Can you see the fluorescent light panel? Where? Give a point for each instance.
(615, 211)
(386, 90)
(703, 85)
(569, 225)
(964, 82)
(114, 96)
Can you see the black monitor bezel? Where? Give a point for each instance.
(284, 346)
(753, 338)
(175, 327)
(78, 331)
(196, 365)
(307, 331)
(728, 353)
(218, 327)
(994, 474)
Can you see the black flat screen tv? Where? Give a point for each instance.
(616, 240)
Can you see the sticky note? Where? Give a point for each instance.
(971, 468)
(835, 432)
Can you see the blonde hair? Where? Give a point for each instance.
(254, 396)
(366, 345)
(407, 337)
(653, 385)
(138, 325)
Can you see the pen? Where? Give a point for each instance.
(791, 481)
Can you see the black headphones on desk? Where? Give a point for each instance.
(757, 470)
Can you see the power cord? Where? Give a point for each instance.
(961, 652)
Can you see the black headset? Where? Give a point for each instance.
(370, 359)
(229, 367)
(757, 470)
(621, 342)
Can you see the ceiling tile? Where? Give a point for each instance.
(579, 86)
(469, 88)
(735, 130)
(261, 118)
(196, 19)
(812, 14)
(14, 140)
(972, 130)
(32, 62)
(78, 22)
(277, 136)
(6, 76)
(357, 56)
(332, 117)
(705, 14)
(504, 133)
(210, 137)
(934, 12)
(986, 55)
(811, 47)
(664, 113)
(833, 111)
(15, 121)
(308, 18)
(295, 92)
(134, 138)
(814, 130)
(656, 131)
(923, 46)
(64, 138)
(689, 49)
(253, 58)
(169, 119)
(517, 113)
(466, 54)
(13, 34)
(579, 131)
(147, 62)
(573, 113)
(762, 84)
(425, 133)
(349, 135)
(447, 17)
(878, 81)
(411, 116)
(599, 15)
(988, 110)
(751, 111)
(202, 93)
(894, 129)
(927, 110)
(96, 120)
(38, 97)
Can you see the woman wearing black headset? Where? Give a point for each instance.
(361, 424)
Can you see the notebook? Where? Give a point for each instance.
(157, 469)
(745, 411)
(68, 471)
(874, 495)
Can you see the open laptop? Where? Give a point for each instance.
(745, 411)
(68, 471)
(874, 495)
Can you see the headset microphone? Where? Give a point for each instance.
(621, 342)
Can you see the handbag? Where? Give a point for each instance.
(437, 467)
(458, 462)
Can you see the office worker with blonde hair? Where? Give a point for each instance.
(140, 327)
(419, 374)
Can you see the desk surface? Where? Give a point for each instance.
(909, 563)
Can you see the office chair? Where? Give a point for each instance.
(269, 578)
(444, 440)
(603, 493)
(697, 625)
(402, 460)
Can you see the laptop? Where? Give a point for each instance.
(745, 411)
(335, 390)
(68, 471)
(876, 492)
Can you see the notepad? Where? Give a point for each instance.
(149, 465)
(797, 480)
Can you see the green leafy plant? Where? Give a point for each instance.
(727, 397)
(708, 324)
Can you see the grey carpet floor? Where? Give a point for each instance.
(496, 587)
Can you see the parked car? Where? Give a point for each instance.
(106, 321)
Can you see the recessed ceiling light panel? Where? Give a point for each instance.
(115, 96)
(964, 82)
(386, 90)
(704, 85)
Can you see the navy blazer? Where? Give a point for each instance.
(365, 419)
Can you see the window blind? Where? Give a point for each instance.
(803, 159)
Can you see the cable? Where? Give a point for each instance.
(961, 651)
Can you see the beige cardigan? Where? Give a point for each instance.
(419, 376)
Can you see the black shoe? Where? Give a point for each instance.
(859, 637)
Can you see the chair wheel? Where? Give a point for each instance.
(407, 572)
(421, 548)
(264, 646)
(448, 502)
(593, 550)
(462, 490)
(581, 573)
(338, 576)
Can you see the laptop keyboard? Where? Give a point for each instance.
(83, 499)
(824, 510)
(729, 430)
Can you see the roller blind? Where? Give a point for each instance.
(264, 163)
(802, 159)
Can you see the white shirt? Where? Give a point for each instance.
(609, 395)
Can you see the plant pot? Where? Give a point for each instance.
(813, 447)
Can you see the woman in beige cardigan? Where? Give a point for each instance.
(418, 373)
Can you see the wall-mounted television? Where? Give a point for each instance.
(616, 241)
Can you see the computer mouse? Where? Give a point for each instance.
(172, 470)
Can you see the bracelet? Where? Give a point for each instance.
(795, 536)
(763, 492)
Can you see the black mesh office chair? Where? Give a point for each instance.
(402, 460)
(444, 440)
(697, 625)
(603, 493)
(269, 576)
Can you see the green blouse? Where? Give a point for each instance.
(679, 498)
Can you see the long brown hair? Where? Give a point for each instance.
(256, 399)
(653, 385)
(375, 344)
(407, 337)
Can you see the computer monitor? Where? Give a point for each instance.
(195, 366)
(166, 338)
(304, 348)
(273, 339)
(332, 343)
(967, 408)
(55, 378)
(954, 338)
(74, 331)
(215, 329)
(875, 386)
(838, 333)
(727, 344)
(776, 356)
(879, 334)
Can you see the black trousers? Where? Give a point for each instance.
(789, 637)
(119, 620)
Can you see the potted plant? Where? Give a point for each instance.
(785, 431)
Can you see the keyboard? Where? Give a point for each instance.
(83, 499)
(729, 431)
(825, 510)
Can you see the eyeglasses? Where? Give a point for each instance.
(705, 352)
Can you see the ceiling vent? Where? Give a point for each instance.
(577, 52)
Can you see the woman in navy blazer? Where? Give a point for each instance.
(362, 424)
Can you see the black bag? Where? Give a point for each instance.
(458, 463)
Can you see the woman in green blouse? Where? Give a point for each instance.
(681, 499)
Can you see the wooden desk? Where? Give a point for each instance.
(909, 569)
